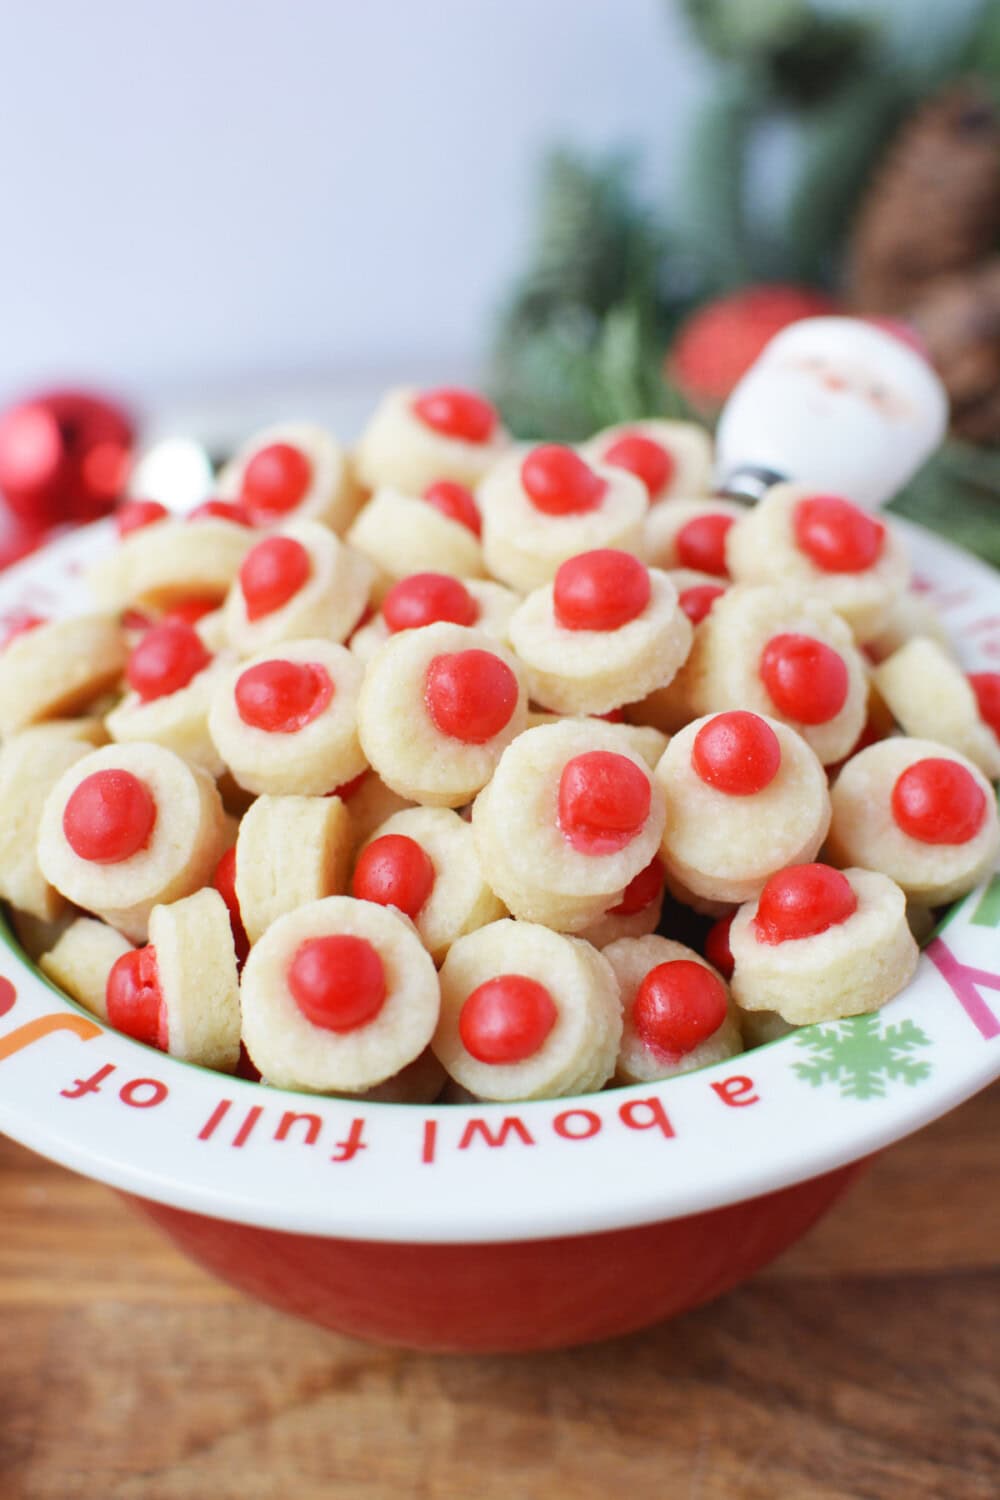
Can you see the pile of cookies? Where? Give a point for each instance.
(454, 768)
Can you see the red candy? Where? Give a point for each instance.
(680, 1004)
(701, 544)
(224, 881)
(802, 901)
(424, 598)
(737, 753)
(135, 1000)
(717, 949)
(349, 789)
(457, 414)
(641, 456)
(604, 800)
(507, 1019)
(698, 600)
(559, 483)
(272, 573)
(642, 890)
(986, 686)
(282, 697)
(109, 817)
(600, 590)
(394, 871)
(222, 510)
(166, 659)
(938, 802)
(190, 611)
(135, 514)
(470, 695)
(276, 480)
(337, 982)
(806, 680)
(836, 535)
(456, 502)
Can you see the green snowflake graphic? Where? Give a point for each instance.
(862, 1056)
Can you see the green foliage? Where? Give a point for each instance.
(957, 493)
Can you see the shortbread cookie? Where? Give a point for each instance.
(128, 827)
(527, 1014)
(606, 631)
(30, 765)
(677, 1012)
(636, 914)
(545, 506)
(819, 944)
(338, 996)
(290, 850)
(745, 796)
(172, 676)
(424, 862)
(692, 534)
(297, 581)
(400, 534)
(293, 471)
(416, 437)
(370, 802)
(930, 697)
(437, 708)
(157, 567)
(285, 722)
(58, 667)
(672, 459)
(669, 708)
(81, 960)
(826, 545)
(571, 816)
(919, 812)
(429, 598)
(911, 615)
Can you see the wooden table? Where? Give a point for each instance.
(865, 1365)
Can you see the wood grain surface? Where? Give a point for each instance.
(865, 1365)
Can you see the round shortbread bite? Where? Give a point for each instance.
(179, 855)
(911, 615)
(400, 737)
(169, 561)
(722, 846)
(459, 899)
(682, 467)
(524, 546)
(306, 761)
(733, 655)
(644, 740)
(57, 667)
(369, 802)
(89, 729)
(614, 926)
(399, 448)
(528, 859)
(30, 765)
(401, 534)
(854, 966)
(763, 548)
(639, 1061)
(669, 708)
(290, 1050)
(326, 490)
(328, 603)
(930, 697)
(196, 972)
(864, 830)
(290, 850)
(495, 604)
(685, 534)
(575, 1055)
(178, 720)
(82, 958)
(212, 629)
(593, 671)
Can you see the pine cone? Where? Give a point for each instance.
(959, 320)
(933, 207)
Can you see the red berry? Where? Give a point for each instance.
(224, 881)
(507, 1019)
(424, 598)
(456, 502)
(272, 573)
(222, 510)
(190, 611)
(135, 1000)
(134, 514)
(604, 801)
(698, 600)
(646, 459)
(737, 753)
(109, 817)
(337, 982)
(457, 414)
(470, 695)
(701, 544)
(802, 901)
(806, 680)
(986, 686)
(717, 949)
(166, 659)
(642, 890)
(836, 535)
(394, 871)
(282, 697)
(938, 802)
(559, 483)
(600, 590)
(276, 480)
(679, 1005)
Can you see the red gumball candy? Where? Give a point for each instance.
(802, 902)
(394, 871)
(224, 881)
(282, 697)
(424, 598)
(805, 679)
(470, 695)
(457, 414)
(558, 482)
(604, 801)
(837, 536)
(272, 573)
(600, 590)
(701, 544)
(276, 480)
(642, 890)
(166, 660)
(109, 817)
(938, 801)
(697, 600)
(337, 982)
(737, 753)
(456, 502)
(506, 1020)
(135, 1000)
(679, 1005)
(641, 456)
